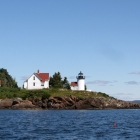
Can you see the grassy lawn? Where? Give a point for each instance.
(45, 93)
(82, 94)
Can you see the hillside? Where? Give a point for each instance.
(136, 101)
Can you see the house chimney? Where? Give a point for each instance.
(38, 71)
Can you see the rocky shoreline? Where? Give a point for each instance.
(67, 102)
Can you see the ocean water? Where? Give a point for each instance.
(69, 124)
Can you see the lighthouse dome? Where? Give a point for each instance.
(80, 76)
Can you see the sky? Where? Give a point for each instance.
(98, 37)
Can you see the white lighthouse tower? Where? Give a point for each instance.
(81, 81)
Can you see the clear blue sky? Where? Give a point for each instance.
(98, 37)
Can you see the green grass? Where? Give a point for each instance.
(45, 93)
(6, 92)
(81, 94)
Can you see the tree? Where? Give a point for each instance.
(51, 82)
(66, 83)
(85, 87)
(55, 80)
(7, 80)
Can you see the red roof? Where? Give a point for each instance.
(43, 76)
(74, 84)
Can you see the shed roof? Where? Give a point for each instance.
(74, 84)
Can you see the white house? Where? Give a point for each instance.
(80, 84)
(37, 81)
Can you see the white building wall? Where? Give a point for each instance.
(74, 88)
(81, 84)
(46, 84)
(31, 81)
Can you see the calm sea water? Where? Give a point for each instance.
(69, 124)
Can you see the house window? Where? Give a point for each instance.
(42, 84)
(33, 84)
(34, 78)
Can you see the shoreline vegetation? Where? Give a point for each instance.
(6, 92)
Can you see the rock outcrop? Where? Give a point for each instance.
(16, 103)
(26, 104)
(72, 102)
(67, 102)
(7, 103)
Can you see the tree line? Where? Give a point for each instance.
(56, 81)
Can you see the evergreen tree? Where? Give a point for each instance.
(51, 82)
(85, 87)
(7, 80)
(66, 83)
(55, 81)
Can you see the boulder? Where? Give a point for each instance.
(17, 101)
(6, 103)
(24, 105)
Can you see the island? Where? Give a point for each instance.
(60, 99)
(57, 96)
